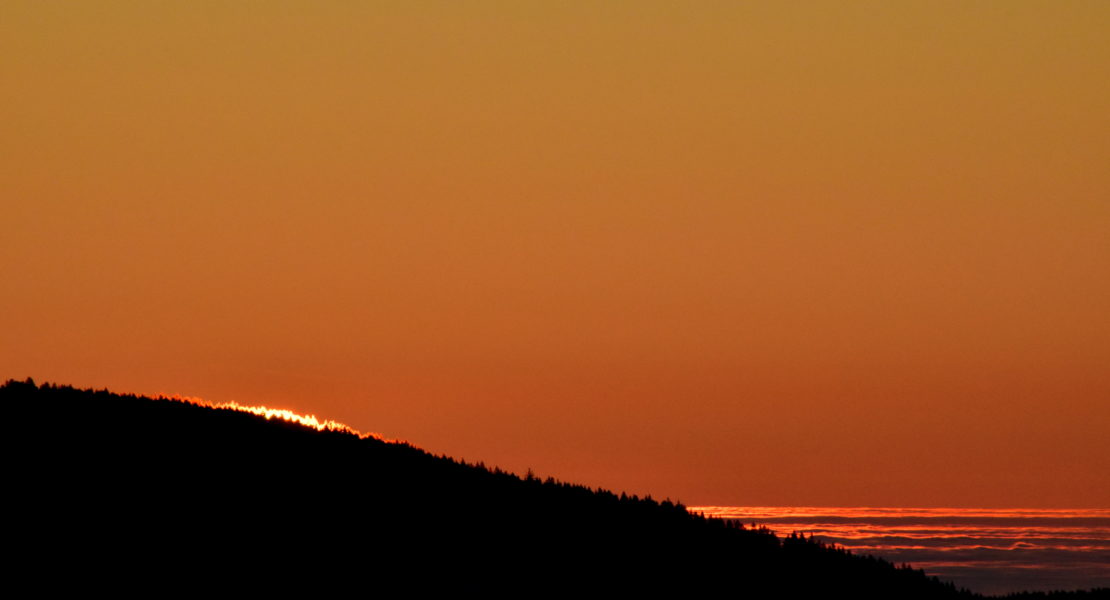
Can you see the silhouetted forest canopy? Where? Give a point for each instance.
(103, 484)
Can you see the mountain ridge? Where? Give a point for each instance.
(172, 479)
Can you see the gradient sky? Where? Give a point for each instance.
(808, 253)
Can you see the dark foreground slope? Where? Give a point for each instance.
(110, 487)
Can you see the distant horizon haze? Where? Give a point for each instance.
(987, 551)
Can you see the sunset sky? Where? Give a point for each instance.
(732, 253)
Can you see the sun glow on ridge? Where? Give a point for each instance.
(285, 415)
(292, 417)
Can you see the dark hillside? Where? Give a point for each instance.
(104, 485)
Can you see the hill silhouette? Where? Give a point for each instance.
(115, 488)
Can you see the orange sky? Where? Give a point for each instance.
(814, 253)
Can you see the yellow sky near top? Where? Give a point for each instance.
(737, 253)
